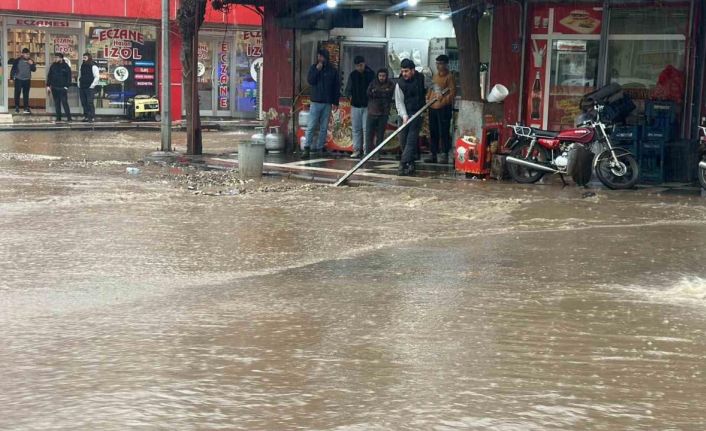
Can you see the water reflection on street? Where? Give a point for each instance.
(128, 303)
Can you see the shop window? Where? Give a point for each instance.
(126, 57)
(647, 52)
(649, 20)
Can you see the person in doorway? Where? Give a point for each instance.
(357, 92)
(409, 99)
(21, 74)
(441, 111)
(88, 78)
(58, 82)
(380, 93)
(325, 93)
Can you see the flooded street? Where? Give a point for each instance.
(131, 301)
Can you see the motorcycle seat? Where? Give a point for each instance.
(544, 133)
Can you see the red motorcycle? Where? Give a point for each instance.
(536, 152)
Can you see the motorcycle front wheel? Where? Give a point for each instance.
(617, 176)
(702, 173)
(523, 174)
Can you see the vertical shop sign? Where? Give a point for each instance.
(224, 77)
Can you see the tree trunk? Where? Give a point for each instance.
(465, 17)
(190, 17)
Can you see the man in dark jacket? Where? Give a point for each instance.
(380, 93)
(88, 78)
(325, 93)
(356, 90)
(410, 97)
(58, 82)
(21, 74)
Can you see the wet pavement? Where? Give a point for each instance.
(141, 301)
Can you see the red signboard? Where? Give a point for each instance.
(577, 19)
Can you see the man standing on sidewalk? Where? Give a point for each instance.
(441, 111)
(58, 82)
(21, 73)
(380, 93)
(325, 93)
(88, 78)
(356, 91)
(409, 98)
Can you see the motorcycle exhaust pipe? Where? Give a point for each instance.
(527, 164)
(702, 165)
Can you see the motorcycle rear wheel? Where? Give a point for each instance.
(702, 174)
(523, 174)
(622, 176)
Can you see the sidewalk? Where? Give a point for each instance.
(330, 168)
(44, 121)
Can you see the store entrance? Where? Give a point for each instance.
(67, 44)
(34, 40)
(214, 77)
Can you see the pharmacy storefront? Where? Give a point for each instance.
(125, 54)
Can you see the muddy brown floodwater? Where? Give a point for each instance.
(131, 302)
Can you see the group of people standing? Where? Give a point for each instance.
(58, 82)
(371, 95)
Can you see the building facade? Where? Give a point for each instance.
(124, 39)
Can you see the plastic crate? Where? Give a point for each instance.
(627, 133)
(627, 137)
(661, 109)
(680, 161)
(651, 161)
(659, 132)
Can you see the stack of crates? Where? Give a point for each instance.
(660, 128)
(627, 137)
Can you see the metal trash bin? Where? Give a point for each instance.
(251, 158)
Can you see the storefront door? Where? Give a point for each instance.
(3, 72)
(67, 44)
(214, 77)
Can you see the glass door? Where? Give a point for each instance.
(67, 44)
(214, 77)
(574, 72)
(3, 72)
(205, 77)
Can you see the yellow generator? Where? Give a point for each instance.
(143, 107)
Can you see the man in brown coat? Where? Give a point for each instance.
(440, 113)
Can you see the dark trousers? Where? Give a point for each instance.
(86, 95)
(409, 141)
(440, 129)
(22, 86)
(61, 99)
(376, 128)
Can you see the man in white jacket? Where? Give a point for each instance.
(88, 78)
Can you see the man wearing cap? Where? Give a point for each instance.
(58, 82)
(325, 93)
(21, 73)
(356, 91)
(441, 111)
(409, 98)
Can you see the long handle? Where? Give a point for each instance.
(388, 139)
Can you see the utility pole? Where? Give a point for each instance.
(166, 126)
